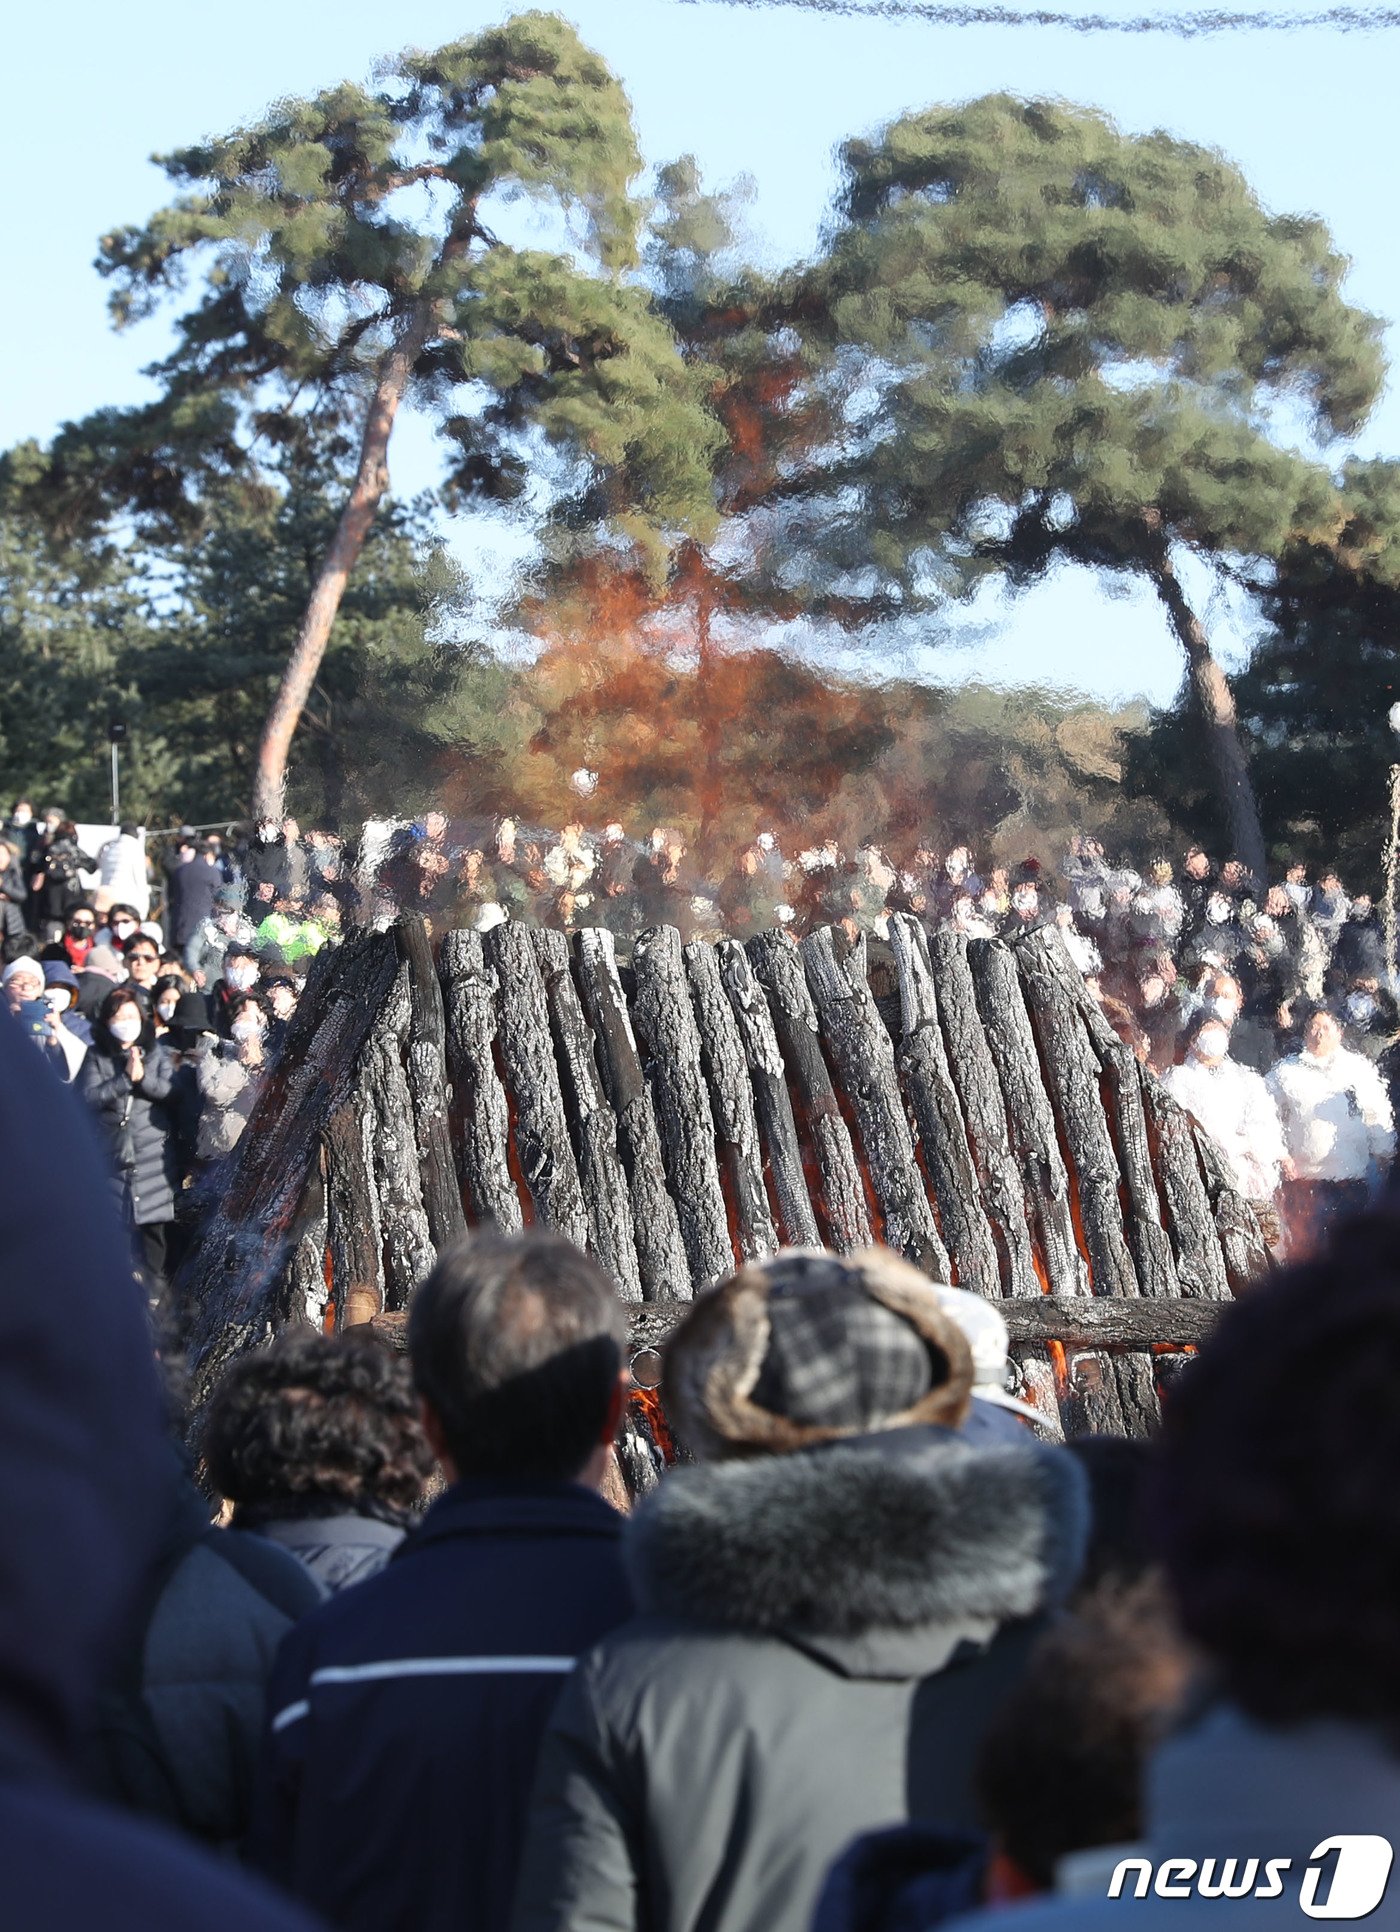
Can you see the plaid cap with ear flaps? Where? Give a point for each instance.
(808, 1347)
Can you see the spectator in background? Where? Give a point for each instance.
(79, 937)
(316, 1441)
(56, 881)
(99, 973)
(61, 992)
(433, 1680)
(142, 962)
(125, 1079)
(802, 1668)
(24, 988)
(231, 1074)
(14, 898)
(1338, 1129)
(192, 885)
(122, 871)
(282, 993)
(224, 927)
(241, 972)
(123, 924)
(1235, 1107)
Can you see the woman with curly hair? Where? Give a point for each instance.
(316, 1442)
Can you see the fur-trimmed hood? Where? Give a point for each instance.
(882, 1553)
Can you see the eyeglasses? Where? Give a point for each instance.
(141, 959)
(82, 925)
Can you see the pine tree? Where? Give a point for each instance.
(347, 265)
(1060, 343)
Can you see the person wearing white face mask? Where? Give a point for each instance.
(126, 1079)
(1235, 1107)
(231, 1074)
(1338, 1124)
(240, 975)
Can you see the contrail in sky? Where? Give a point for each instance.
(1186, 26)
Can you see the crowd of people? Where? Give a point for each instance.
(164, 990)
(871, 1657)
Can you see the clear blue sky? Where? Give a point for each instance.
(95, 89)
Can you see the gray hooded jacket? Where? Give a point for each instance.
(824, 1636)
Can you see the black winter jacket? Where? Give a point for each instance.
(136, 1124)
(407, 1713)
(824, 1637)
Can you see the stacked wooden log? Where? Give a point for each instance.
(706, 1104)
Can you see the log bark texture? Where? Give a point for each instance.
(772, 1102)
(928, 1083)
(979, 1090)
(542, 1143)
(1072, 1075)
(1030, 1119)
(1200, 1264)
(661, 1256)
(407, 1243)
(1242, 1245)
(352, 1203)
(425, 1059)
(480, 1112)
(591, 1120)
(731, 1098)
(839, 1196)
(860, 1047)
(665, 1025)
(227, 1278)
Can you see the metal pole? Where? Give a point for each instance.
(116, 791)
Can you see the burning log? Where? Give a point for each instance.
(840, 1196)
(665, 1024)
(1029, 1117)
(480, 1114)
(661, 1257)
(864, 1058)
(1071, 1075)
(591, 1119)
(532, 1080)
(731, 1097)
(928, 1082)
(772, 1101)
(1242, 1243)
(975, 1078)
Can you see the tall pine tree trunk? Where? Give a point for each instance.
(1215, 704)
(313, 634)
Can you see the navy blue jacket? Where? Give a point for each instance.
(84, 1488)
(407, 1713)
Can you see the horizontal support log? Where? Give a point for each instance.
(1078, 1321)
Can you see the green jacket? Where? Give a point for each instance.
(824, 1636)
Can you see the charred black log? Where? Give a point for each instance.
(591, 1119)
(426, 1065)
(1072, 1076)
(975, 1077)
(227, 1278)
(403, 1222)
(480, 1113)
(1242, 1244)
(1200, 1264)
(772, 1101)
(1030, 1119)
(860, 1047)
(661, 1256)
(840, 1195)
(542, 1141)
(665, 1024)
(352, 1205)
(928, 1082)
(731, 1098)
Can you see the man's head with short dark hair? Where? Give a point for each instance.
(517, 1349)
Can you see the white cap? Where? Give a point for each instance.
(24, 964)
(987, 1335)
